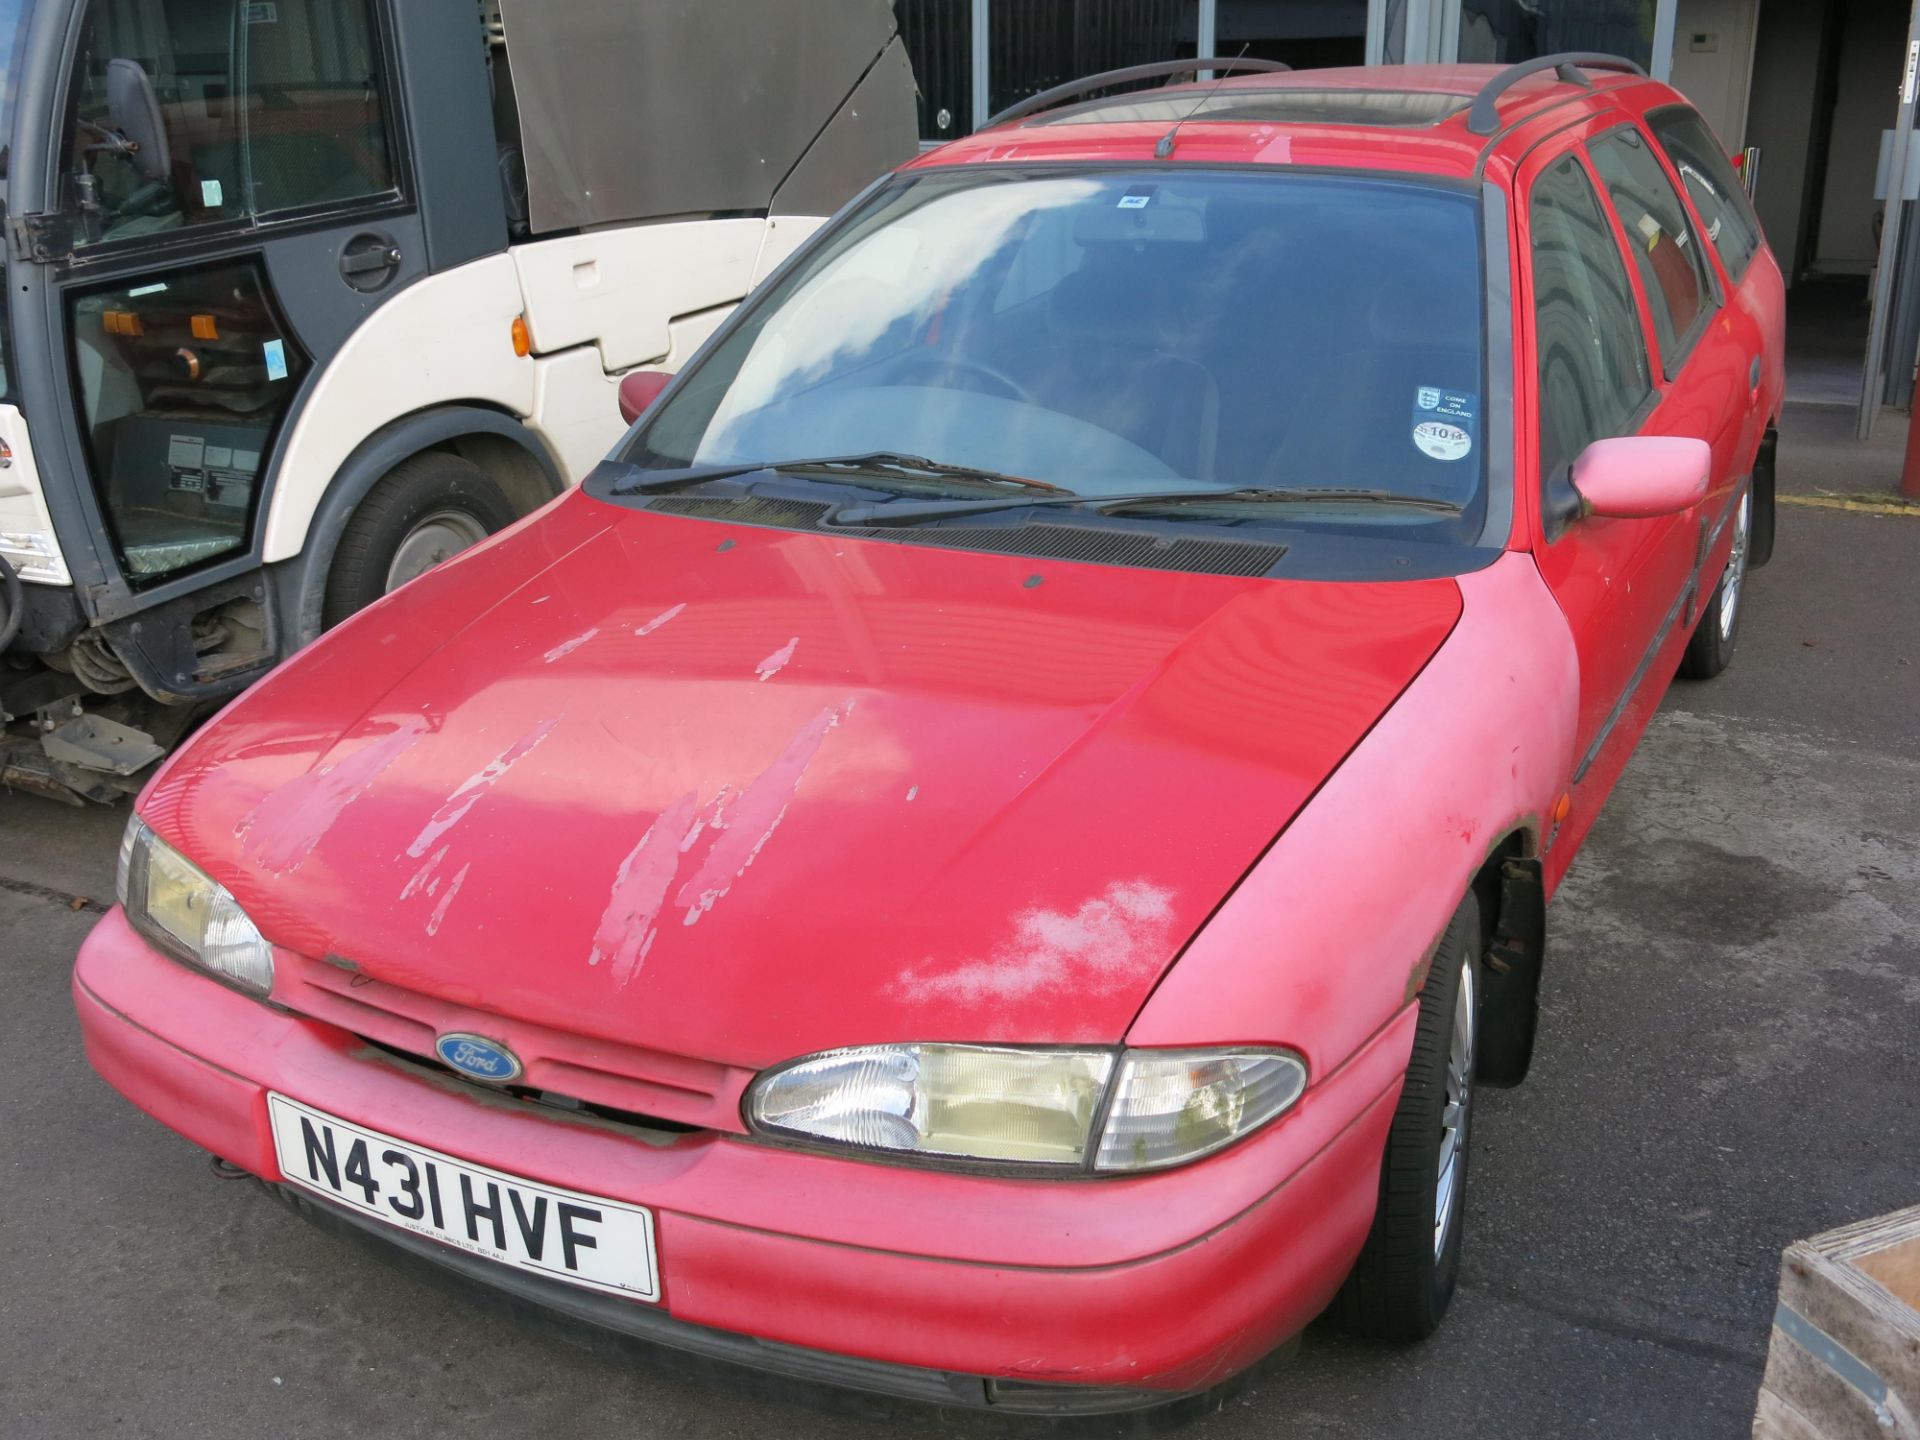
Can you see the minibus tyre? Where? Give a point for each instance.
(424, 510)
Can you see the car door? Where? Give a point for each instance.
(1594, 378)
(1709, 350)
(232, 197)
(1748, 275)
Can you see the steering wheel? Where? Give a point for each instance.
(1001, 382)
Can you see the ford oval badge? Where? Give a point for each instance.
(479, 1058)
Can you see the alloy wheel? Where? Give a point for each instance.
(1736, 567)
(1451, 1166)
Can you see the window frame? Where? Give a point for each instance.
(84, 427)
(1575, 154)
(1712, 300)
(1744, 204)
(397, 199)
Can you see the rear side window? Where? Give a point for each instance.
(1660, 237)
(1592, 357)
(1717, 194)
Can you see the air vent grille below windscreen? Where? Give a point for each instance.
(1093, 543)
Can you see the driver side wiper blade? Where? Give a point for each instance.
(880, 463)
(914, 512)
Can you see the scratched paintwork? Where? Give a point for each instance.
(699, 860)
(796, 791)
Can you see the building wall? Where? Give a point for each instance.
(1712, 61)
(1780, 118)
(1871, 47)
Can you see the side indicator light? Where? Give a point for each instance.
(522, 337)
(1562, 808)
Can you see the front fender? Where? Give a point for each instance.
(1328, 936)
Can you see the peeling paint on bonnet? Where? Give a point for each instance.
(467, 794)
(1111, 941)
(778, 660)
(282, 830)
(629, 926)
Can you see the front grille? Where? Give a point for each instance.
(602, 1075)
(1097, 544)
(534, 1100)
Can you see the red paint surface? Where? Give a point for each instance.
(985, 1274)
(659, 802)
(698, 860)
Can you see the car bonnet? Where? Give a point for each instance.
(744, 793)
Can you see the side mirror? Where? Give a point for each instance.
(1636, 477)
(135, 112)
(640, 389)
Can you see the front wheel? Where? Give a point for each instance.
(427, 509)
(1404, 1280)
(1711, 649)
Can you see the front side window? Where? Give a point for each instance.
(183, 381)
(1664, 246)
(1592, 358)
(1111, 332)
(221, 110)
(1717, 194)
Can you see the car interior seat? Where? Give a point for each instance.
(1109, 358)
(1353, 425)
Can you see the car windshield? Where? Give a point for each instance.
(1114, 332)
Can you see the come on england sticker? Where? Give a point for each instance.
(1443, 422)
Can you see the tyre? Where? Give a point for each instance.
(1718, 630)
(1404, 1280)
(426, 509)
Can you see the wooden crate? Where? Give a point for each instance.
(1844, 1363)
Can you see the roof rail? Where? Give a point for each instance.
(1047, 99)
(1485, 119)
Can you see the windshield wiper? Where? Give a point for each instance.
(914, 512)
(1300, 495)
(882, 464)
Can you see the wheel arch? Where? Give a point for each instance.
(1450, 793)
(1765, 506)
(1512, 892)
(492, 439)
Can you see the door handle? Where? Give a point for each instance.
(368, 261)
(1753, 375)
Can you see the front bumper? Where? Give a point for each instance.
(1051, 1296)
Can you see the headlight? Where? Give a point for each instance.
(997, 1105)
(174, 904)
(1175, 1105)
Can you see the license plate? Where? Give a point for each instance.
(584, 1240)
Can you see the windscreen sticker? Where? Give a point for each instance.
(1138, 198)
(1444, 422)
(274, 352)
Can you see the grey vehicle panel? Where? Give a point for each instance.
(863, 139)
(770, 76)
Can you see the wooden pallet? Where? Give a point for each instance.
(1844, 1363)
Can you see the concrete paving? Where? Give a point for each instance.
(1726, 1063)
